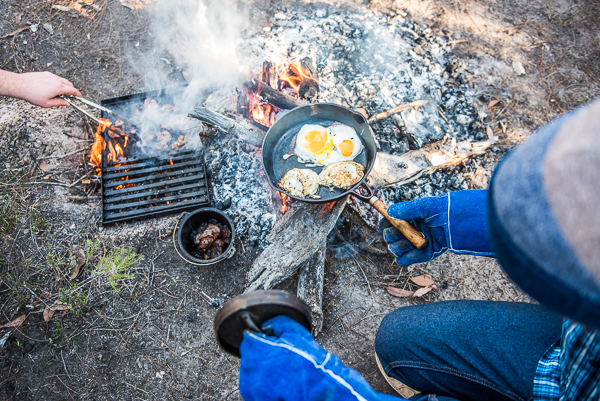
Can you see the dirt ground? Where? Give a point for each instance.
(153, 338)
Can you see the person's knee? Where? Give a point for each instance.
(398, 333)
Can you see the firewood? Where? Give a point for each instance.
(238, 126)
(397, 109)
(269, 74)
(274, 97)
(294, 240)
(310, 285)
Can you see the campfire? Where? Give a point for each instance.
(275, 88)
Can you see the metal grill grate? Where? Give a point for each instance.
(151, 187)
(143, 188)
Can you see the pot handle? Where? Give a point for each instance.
(415, 237)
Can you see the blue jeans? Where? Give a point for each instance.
(467, 350)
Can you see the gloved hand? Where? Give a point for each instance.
(455, 221)
(289, 365)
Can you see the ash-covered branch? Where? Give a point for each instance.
(310, 285)
(240, 127)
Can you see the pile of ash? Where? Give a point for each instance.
(240, 188)
(366, 59)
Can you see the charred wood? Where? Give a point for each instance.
(273, 96)
(269, 74)
(294, 240)
(310, 285)
(238, 126)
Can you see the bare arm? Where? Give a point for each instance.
(38, 88)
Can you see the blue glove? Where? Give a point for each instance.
(289, 365)
(455, 221)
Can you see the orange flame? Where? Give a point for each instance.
(295, 74)
(115, 150)
(285, 202)
(99, 145)
(171, 161)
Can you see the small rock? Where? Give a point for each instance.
(34, 27)
(48, 28)
(518, 68)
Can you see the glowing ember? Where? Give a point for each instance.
(326, 208)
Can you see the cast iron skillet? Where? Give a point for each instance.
(279, 140)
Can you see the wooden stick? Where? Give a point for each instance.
(240, 127)
(397, 109)
(310, 285)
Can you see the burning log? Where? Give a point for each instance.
(295, 239)
(269, 74)
(273, 96)
(310, 285)
(238, 126)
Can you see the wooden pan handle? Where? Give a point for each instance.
(415, 237)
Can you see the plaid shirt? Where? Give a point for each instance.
(570, 369)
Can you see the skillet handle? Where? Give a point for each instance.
(415, 237)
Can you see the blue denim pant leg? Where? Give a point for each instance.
(467, 350)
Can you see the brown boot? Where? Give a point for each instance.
(401, 388)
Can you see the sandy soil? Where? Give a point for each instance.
(154, 339)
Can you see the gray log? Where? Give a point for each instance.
(310, 285)
(294, 239)
(238, 126)
(391, 169)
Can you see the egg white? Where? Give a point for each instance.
(340, 133)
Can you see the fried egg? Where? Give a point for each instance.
(342, 174)
(313, 144)
(347, 144)
(300, 183)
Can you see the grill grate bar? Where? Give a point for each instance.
(129, 190)
(153, 210)
(121, 206)
(118, 198)
(155, 177)
(152, 169)
(132, 164)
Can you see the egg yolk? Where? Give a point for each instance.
(316, 140)
(346, 147)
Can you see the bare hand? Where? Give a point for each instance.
(41, 88)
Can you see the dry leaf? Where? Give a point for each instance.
(422, 291)
(400, 293)
(422, 281)
(15, 323)
(77, 261)
(48, 313)
(489, 132)
(492, 103)
(43, 165)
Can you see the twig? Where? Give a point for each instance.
(366, 279)
(65, 365)
(397, 109)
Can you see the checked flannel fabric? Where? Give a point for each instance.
(570, 369)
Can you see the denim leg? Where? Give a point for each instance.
(468, 350)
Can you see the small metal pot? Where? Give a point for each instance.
(191, 222)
